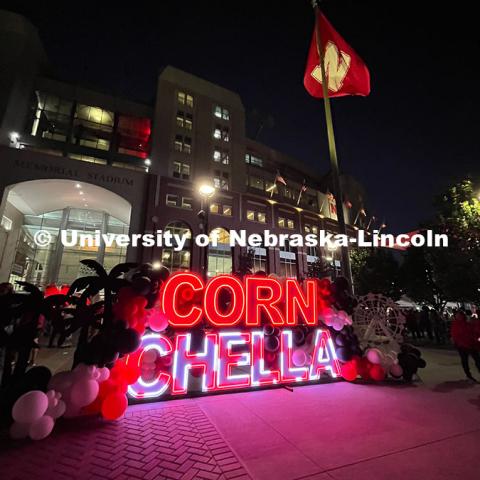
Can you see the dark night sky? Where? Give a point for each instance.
(416, 133)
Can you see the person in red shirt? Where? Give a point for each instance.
(463, 336)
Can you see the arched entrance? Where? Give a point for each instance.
(51, 206)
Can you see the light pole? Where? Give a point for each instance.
(206, 191)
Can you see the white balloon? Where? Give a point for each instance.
(19, 430)
(41, 428)
(30, 406)
(56, 411)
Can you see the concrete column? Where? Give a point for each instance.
(56, 257)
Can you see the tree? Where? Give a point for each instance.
(437, 274)
(377, 271)
(319, 269)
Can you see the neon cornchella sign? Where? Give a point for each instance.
(232, 354)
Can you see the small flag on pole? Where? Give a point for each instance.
(278, 179)
(303, 188)
(346, 73)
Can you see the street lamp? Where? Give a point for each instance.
(206, 191)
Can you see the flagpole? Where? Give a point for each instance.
(337, 189)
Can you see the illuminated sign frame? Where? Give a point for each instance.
(232, 356)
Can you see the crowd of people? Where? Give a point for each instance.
(460, 328)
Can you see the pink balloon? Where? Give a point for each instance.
(157, 321)
(41, 428)
(84, 371)
(19, 430)
(30, 407)
(103, 374)
(299, 358)
(83, 392)
(396, 370)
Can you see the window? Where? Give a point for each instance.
(187, 203)
(286, 223)
(172, 200)
(180, 119)
(221, 156)
(181, 170)
(288, 261)
(185, 99)
(92, 127)
(6, 223)
(217, 133)
(310, 228)
(255, 216)
(51, 117)
(222, 113)
(178, 260)
(133, 136)
(220, 256)
(99, 161)
(253, 160)
(219, 209)
(260, 260)
(184, 120)
(256, 182)
(220, 180)
(183, 144)
(227, 210)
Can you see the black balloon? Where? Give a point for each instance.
(142, 285)
(128, 341)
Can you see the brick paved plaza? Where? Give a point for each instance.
(339, 431)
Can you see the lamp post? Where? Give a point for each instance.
(206, 191)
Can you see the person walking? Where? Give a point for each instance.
(463, 336)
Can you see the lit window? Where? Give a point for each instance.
(92, 127)
(253, 160)
(180, 119)
(178, 143)
(227, 210)
(220, 180)
(181, 98)
(6, 223)
(251, 215)
(189, 101)
(181, 170)
(225, 158)
(214, 208)
(217, 155)
(217, 133)
(314, 229)
(187, 203)
(256, 182)
(187, 145)
(188, 121)
(225, 135)
(222, 113)
(290, 224)
(171, 200)
(261, 217)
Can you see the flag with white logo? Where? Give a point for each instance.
(345, 71)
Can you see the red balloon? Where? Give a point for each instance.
(94, 407)
(125, 373)
(377, 373)
(349, 371)
(364, 368)
(114, 406)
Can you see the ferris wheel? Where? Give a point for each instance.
(378, 322)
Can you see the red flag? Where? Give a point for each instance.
(346, 72)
